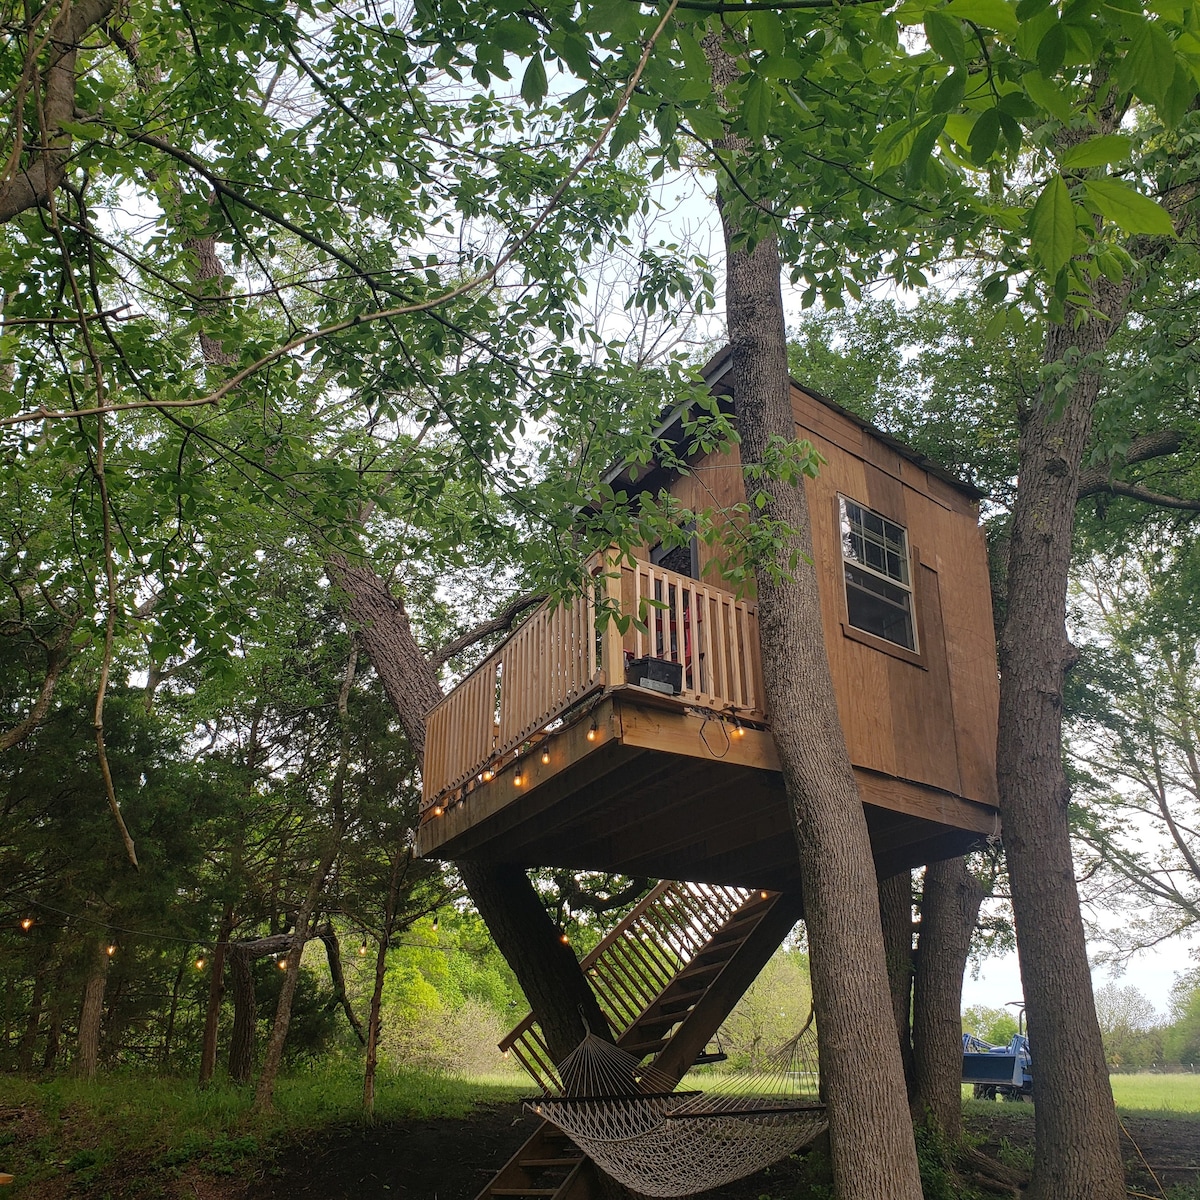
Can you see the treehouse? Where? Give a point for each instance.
(649, 752)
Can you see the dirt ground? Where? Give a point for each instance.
(454, 1159)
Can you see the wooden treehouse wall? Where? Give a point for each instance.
(929, 717)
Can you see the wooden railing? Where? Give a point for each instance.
(636, 962)
(558, 657)
(712, 634)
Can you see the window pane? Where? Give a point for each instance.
(875, 606)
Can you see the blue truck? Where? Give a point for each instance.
(998, 1072)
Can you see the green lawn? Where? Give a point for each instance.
(64, 1127)
(1159, 1093)
(1140, 1093)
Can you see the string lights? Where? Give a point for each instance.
(362, 950)
(199, 964)
(27, 923)
(110, 950)
(545, 757)
(518, 776)
(282, 963)
(593, 732)
(488, 774)
(562, 937)
(437, 810)
(435, 922)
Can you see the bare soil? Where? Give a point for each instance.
(454, 1159)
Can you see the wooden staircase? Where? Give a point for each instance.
(665, 978)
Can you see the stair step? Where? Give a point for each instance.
(550, 1162)
(638, 1049)
(518, 1191)
(691, 971)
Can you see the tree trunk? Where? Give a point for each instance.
(1076, 1154)
(949, 909)
(337, 977)
(33, 1018)
(400, 861)
(169, 1032)
(87, 1057)
(216, 991)
(870, 1131)
(895, 911)
(245, 1014)
(546, 970)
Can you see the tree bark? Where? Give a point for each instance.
(400, 860)
(1076, 1154)
(31, 183)
(245, 1014)
(547, 971)
(949, 909)
(895, 911)
(216, 991)
(33, 1018)
(871, 1133)
(337, 976)
(169, 1032)
(87, 1058)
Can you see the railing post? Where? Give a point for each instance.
(612, 652)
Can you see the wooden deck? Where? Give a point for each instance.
(545, 756)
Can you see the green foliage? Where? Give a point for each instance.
(995, 1025)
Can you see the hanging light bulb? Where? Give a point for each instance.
(518, 776)
(110, 950)
(488, 774)
(738, 731)
(762, 895)
(592, 732)
(27, 923)
(282, 963)
(545, 758)
(435, 922)
(438, 810)
(199, 964)
(362, 949)
(562, 937)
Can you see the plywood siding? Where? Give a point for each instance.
(929, 718)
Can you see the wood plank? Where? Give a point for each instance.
(910, 798)
(681, 733)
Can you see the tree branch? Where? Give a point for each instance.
(501, 623)
(32, 185)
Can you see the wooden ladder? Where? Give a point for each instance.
(666, 978)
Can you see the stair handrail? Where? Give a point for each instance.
(695, 902)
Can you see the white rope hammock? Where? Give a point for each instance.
(628, 1119)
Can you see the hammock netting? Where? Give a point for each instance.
(628, 1119)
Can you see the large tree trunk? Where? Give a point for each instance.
(949, 909)
(33, 1018)
(1076, 1154)
(895, 911)
(870, 1131)
(245, 1014)
(87, 1057)
(547, 971)
(216, 990)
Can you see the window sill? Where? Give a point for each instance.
(882, 644)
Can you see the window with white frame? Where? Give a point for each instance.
(879, 594)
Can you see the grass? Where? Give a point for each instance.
(66, 1127)
(1157, 1093)
(1164, 1095)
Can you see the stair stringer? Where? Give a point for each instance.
(743, 967)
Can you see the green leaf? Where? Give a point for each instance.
(757, 106)
(1047, 95)
(995, 324)
(705, 124)
(1149, 66)
(1177, 99)
(1052, 50)
(533, 83)
(1129, 210)
(993, 14)
(1031, 8)
(949, 92)
(922, 147)
(984, 136)
(995, 288)
(693, 56)
(946, 37)
(768, 31)
(1052, 225)
(1097, 152)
